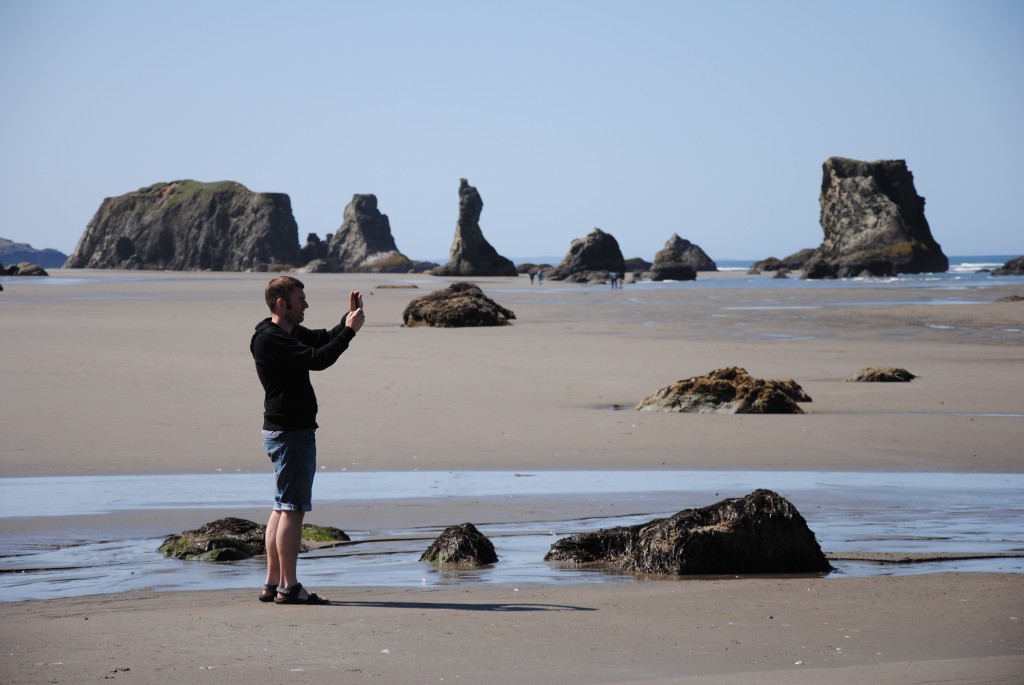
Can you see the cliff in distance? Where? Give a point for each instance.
(190, 226)
(13, 253)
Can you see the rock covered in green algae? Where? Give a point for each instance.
(231, 539)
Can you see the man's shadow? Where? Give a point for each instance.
(454, 606)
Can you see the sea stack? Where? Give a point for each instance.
(190, 226)
(471, 254)
(363, 242)
(680, 260)
(591, 259)
(874, 222)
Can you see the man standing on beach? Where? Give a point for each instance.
(285, 352)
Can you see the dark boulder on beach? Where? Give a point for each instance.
(727, 391)
(873, 221)
(591, 259)
(818, 268)
(458, 305)
(680, 260)
(759, 533)
(471, 254)
(1012, 267)
(794, 262)
(190, 226)
(24, 269)
(637, 265)
(882, 374)
(226, 539)
(363, 242)
(231, 539)
(462, 544)
(672, 272)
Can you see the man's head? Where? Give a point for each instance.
(286, 299)
(281, 288)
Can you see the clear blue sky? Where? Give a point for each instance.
(706, 119)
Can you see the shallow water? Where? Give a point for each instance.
(904, 513)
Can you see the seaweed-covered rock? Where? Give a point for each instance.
(230, 539)
(462, 544)
(459, 305)
(727, 391)
(760, 533)
(882, 374)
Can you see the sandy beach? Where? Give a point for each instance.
(149, 373)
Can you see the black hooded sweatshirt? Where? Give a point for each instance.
(283, 362)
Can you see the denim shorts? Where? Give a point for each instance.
(294, 455)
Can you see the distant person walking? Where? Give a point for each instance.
(285, 352)
(531, 277)
(615, 280)
(540, 278)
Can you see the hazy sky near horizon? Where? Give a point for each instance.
(706, 119)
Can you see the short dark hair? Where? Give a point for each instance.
(282, 287)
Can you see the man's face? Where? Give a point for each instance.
(294, 310)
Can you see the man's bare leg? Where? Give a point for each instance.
(289, 539)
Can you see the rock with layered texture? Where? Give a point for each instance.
(190, 226)
(590, 258)
(759, 533)
(874, 222)
(727, 391)
(459, 305)
(471, 255)
(363, 242)
(680, 260)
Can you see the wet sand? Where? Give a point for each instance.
(152, 375)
